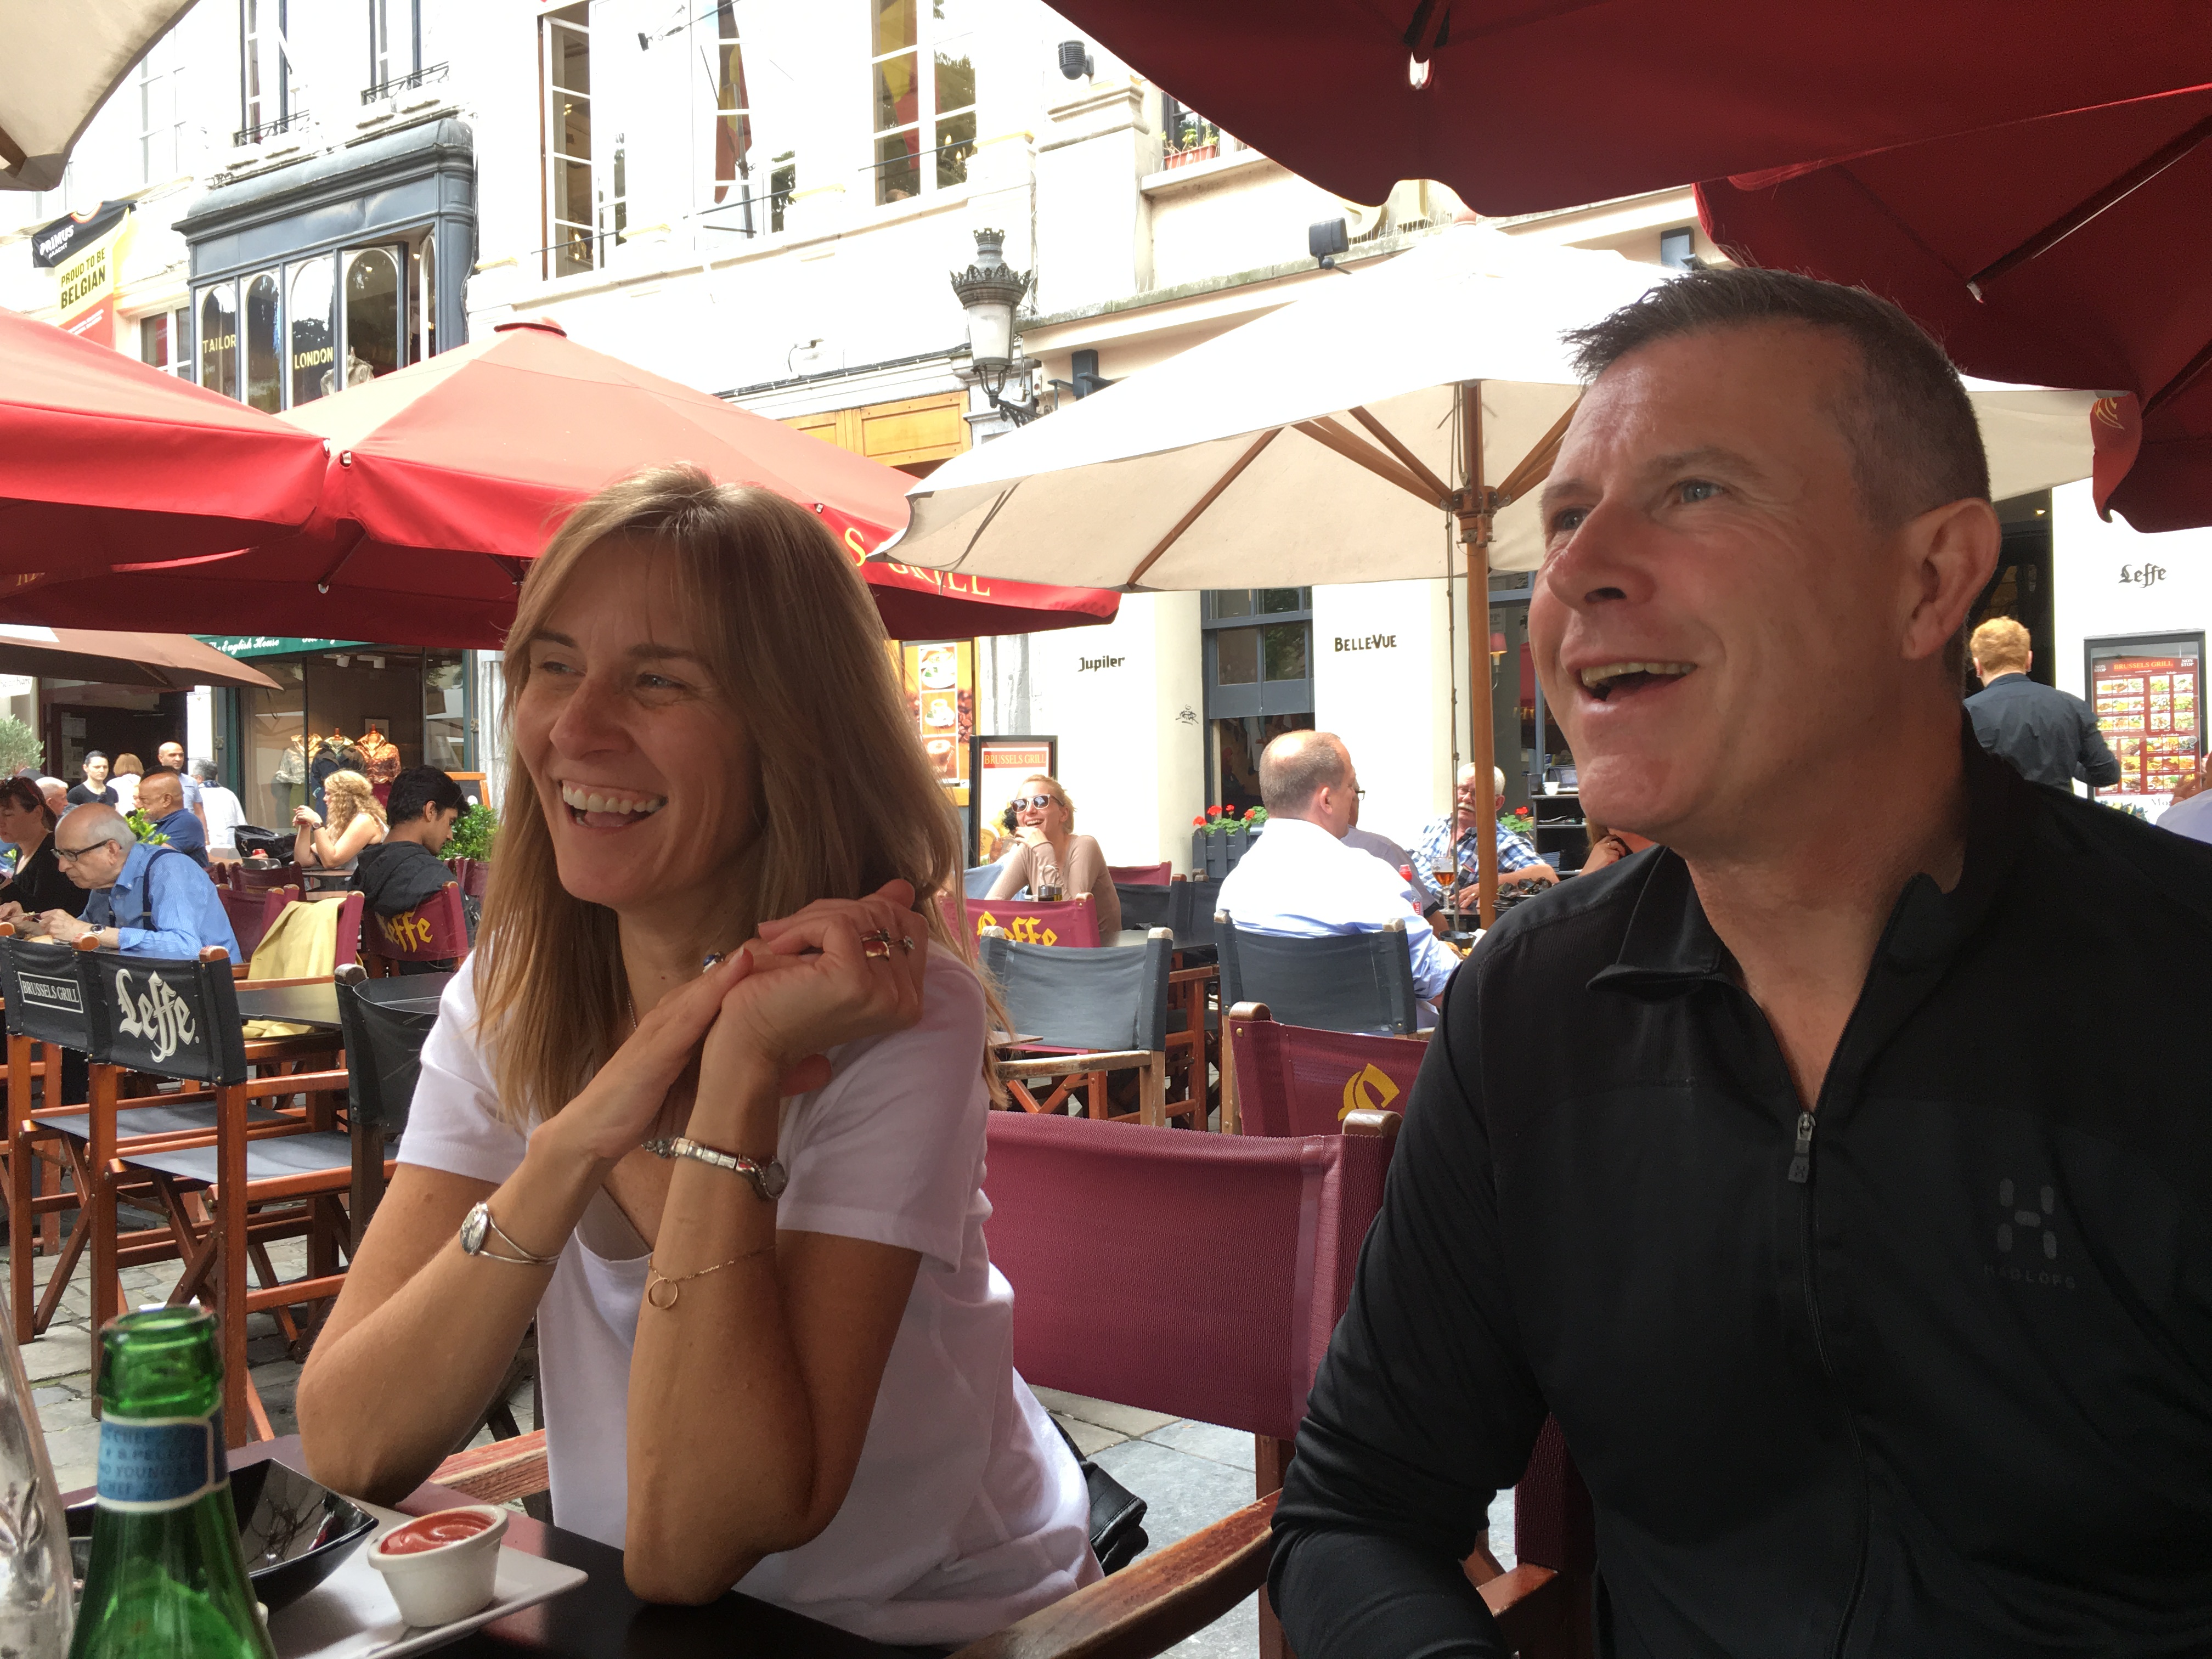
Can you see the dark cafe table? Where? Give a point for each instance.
(600, 1618)
(317, 1005)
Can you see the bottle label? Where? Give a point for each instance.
(152, 1463)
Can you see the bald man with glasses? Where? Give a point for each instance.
(144, 901)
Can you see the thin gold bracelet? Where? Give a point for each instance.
(654, 1278)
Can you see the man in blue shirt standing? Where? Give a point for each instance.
(161, 797)
(145, 901)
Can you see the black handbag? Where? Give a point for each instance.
(1117, 1514)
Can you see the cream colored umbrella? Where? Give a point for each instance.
(1324, 442)
(62, 61)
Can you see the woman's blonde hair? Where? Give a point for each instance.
(127, 763)
(842, 798)
(1059, 794)
(346, 796)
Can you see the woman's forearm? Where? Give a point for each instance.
(383, 1401)
(720, 1418)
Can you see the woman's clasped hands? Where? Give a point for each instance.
(837, 971)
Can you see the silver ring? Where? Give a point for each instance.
(906, 945)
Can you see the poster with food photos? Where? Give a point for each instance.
(938, 679)
(2146, 706)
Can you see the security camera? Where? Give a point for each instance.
(1075, 60)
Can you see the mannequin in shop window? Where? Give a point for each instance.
(379, 762)
(288, 785)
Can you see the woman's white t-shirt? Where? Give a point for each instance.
(967, 1511)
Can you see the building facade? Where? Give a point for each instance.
(765, 201)
(283, 201)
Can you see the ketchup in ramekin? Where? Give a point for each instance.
(442, 1567)
(435, 1532)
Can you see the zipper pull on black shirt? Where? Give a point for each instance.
(1800, 1164)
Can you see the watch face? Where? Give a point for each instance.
(774, 1180)
(472, 1230)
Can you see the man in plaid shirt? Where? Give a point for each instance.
(1449, 843)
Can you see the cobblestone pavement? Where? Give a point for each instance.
(1190, 1474)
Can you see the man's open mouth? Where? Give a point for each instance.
(1612, 679)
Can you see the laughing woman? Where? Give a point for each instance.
(744, 1204)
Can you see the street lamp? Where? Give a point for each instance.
(989, 290)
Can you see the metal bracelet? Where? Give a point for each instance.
(768, 1179)
(478, 1224)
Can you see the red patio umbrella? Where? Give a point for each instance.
(1528, 107)
(103, 458)
(2071, 250)
(445, 479)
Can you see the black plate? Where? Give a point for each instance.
(294, 1532)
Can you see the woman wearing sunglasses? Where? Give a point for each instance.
(1053, 858)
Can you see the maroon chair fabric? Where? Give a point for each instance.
(1296, 1080)
(436, 930)
(473, 874)
(1237, 1347)
(1064, 922)
(1142, 875)
(250, 913)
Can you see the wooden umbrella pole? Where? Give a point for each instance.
(1476, 507)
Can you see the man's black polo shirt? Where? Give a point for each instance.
(1942, 1386)
(2049, 736)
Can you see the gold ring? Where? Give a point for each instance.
(875, 947)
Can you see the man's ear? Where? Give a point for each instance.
(1951, 551)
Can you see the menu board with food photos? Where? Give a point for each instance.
(2147, 707)
(939, 678)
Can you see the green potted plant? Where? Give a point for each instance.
(18, 747)
(474, 832)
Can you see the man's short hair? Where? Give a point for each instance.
(418, 788)
(92, 755)
(1914, 442)
(2002, 647)
(204, 771)
(1297, 766)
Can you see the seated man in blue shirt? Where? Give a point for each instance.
(161, 797)
(1453, 841)
(145, 901)
(1300, 879)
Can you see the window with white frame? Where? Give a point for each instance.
(162, 152)
(751, 168)
(161, 341)
(395, 43)
(585, 186)
(923, 88)
(266, 83)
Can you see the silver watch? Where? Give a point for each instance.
(768, 1179)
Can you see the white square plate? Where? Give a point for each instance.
(351, 1615)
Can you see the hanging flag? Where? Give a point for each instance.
(85, 251)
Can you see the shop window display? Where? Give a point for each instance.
(219, 339)
(314, 332)
(265, 345)
(372, 314)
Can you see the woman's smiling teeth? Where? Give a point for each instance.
(1604, 679)
(582, 800)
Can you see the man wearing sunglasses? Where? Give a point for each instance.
(145, 901)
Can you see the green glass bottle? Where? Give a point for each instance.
(167, 1576)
